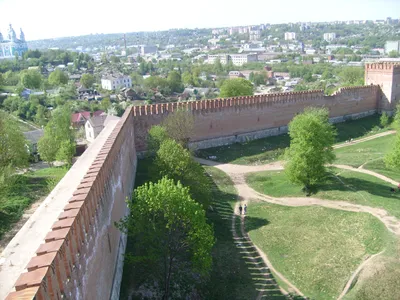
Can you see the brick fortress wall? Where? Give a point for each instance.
(224, 121)
(81, 258)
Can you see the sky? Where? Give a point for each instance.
(41, 19)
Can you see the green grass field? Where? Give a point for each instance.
(316, 248)
(22, 191)
(270, 149)
(361, 153)
(342, 185)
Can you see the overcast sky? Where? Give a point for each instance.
(54, 18)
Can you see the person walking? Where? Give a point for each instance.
(245, 209)
(240, 209)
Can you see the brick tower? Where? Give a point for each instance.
(387, 76)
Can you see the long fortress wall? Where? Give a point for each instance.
(81, 256)
(70, 248)
(223, 121)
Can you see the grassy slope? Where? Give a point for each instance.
(269, 149)
(316, 248)
(23, 191)
(358, 154)
(357, 188)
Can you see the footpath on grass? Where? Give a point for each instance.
(246, 193)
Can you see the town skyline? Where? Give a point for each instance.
(210, 15)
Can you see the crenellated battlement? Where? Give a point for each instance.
(385, 65)
(220, 103)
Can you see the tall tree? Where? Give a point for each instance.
(236, 87)
(171, 235)
(175, 82)
(392, 159)
(87, 80)
(179, 126)
(58, 78)
(13, 145)
(31, 79)
(311, 147)
(58, 134)
(176, 162)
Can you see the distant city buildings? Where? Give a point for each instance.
(255, 35)
(147, 49)
(236, 59)
(112, 82)
(329, 37)
(289, 36)
(392, 46)
(11, 45)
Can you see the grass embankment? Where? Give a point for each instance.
(270, 149)
(24, 190)
(232, 276)
(340, 184)
(316, 248)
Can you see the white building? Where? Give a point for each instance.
(329, 36)
(237, 59)
(289, 36)
(255, 35)
(392, 46)
(112, 82)
(95, 125)
(241, 59)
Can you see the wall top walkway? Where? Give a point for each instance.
(17, 254)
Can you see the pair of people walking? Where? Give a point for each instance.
(243, 209)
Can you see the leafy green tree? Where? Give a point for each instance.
(137, 79)
(87, 80)
(392, 159)
(66, 152)
(58, 77)
(175, 82)
(1, 80)
(236, 87)
(394, 54)
(396, 117)
(13, 145)
(179, 125)
(176, 162)
(187, 78)
(157, 135)
(31, 79)
(58, 134)
(40, 117)
(115, 59)
(311, 147)
(105, 104)
(171, 234)
(352, 76)
(384, 120)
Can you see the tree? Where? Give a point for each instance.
(176, 162)
(137, 79)
(311, 141)
(179, 126)
(171, 235)
(187, 78)
(352, 76)
(114, 59)
(1, 80)
(31, 79)
(105, 104)
(384, 120)
(87, 80)
(58, 78)
(394, 54)
(58, 137)
(13, 145)
(175, 82)
(66, 152)
(392, 159)
(157, 135)
(236, 87)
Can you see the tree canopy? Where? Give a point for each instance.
(58, 77)
(31, 79)
(179, 126)
(236, 87)
(87, 80)
(171, 235)
(311, 147)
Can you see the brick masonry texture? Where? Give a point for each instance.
(82, 255)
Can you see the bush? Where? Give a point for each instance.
(384, 120)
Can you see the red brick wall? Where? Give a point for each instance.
(79, 255)
(227, 117)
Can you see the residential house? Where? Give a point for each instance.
(235, 74)
(79, 119)
(115, 81)
(95, 125)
